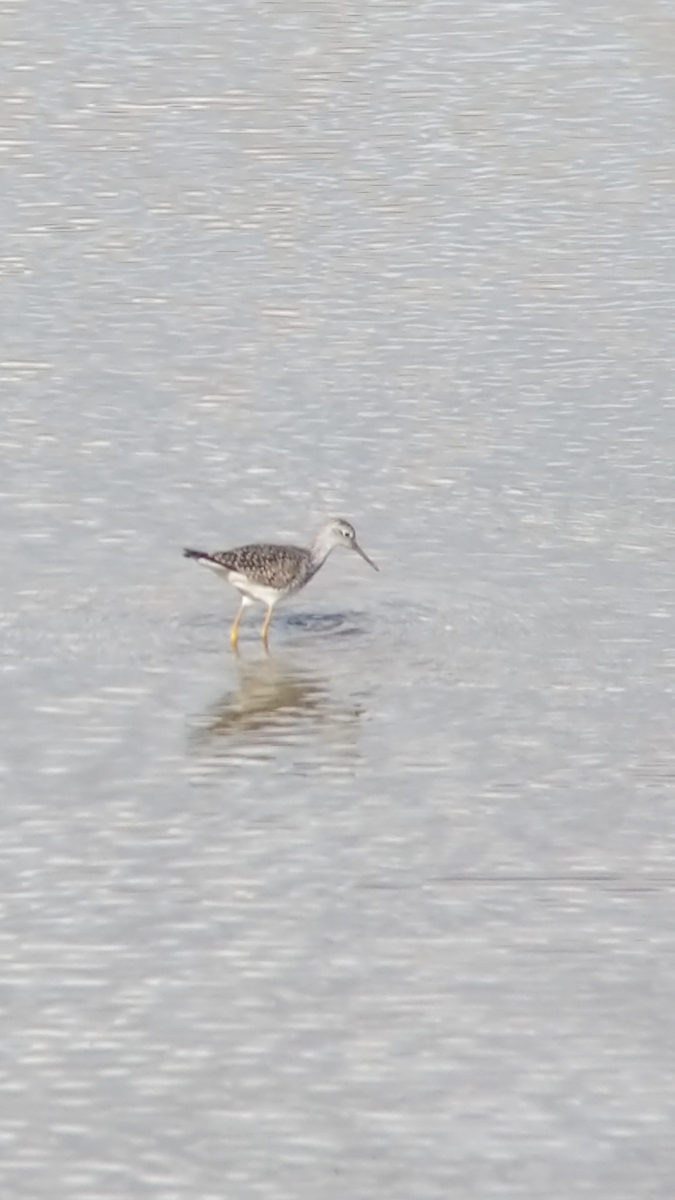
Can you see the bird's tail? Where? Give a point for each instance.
(199, 555)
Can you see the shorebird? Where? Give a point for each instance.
(269, 573)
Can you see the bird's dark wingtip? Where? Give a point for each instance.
(187, 553)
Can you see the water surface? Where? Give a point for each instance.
(389, 912)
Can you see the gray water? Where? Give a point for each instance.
(389, 913)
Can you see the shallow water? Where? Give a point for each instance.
(388, 912)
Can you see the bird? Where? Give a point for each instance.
(268, 573)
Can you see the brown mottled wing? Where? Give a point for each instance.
(271, 566)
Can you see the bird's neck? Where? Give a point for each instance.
(321, 548)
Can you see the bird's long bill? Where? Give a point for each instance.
(364, 555)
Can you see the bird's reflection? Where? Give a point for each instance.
(274, 705)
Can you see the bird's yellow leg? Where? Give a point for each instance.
(234, 632)
(266, 628)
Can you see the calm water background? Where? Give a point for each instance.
(390, 913)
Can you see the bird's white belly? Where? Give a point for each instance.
(256, 591)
